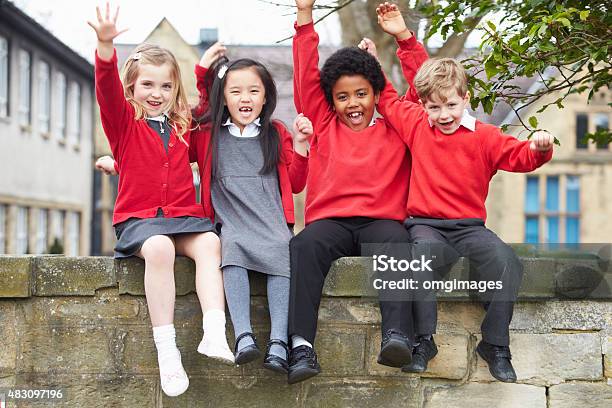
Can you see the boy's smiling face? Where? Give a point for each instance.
(445, 112)
(354, 101)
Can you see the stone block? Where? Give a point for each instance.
(10, 331)
(81, 276)
(64, 349)
(15, 275)
(607, 350)
(451, 361)
(341, 350)
(220, 392)
(571, 395)
(547, 359)
(363, 393)
(538, 279)
(349, 311)
(546, 316)
(475, 395)
(130, 276)
(348, 277)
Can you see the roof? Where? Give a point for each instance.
(12, 16)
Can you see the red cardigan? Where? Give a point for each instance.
(350, 173)
(292, 167)
(150, 178)
(451, 173)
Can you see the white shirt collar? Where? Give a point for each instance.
(250, 130)
(160, 118)
(467, 121)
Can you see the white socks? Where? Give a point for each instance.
(174, 380)
(297, 341)
(214, 342)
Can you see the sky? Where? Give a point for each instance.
(238, 21)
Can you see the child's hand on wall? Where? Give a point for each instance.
(212, 54)
(391, 21)
(541, 141)
(368, 45)
(106, 164)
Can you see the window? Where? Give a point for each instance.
(24, 88)
(60, 103)
(74, 233)
(582, 128)
(21, 230)
(3, 210)
(57, 237)
(41, 232)
(44, 98)
(558, 221)
(4, 78)
(601, 123)
(75, 113)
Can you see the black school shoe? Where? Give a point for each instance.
(274, 362)
(498, 358)
(395, 349)
(248, 353)
(302, 364)
(422, 353)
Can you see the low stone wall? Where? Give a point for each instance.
(82, 324)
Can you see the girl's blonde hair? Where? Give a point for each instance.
(438, 76)
(179, 113)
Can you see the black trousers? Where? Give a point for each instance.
(490, 259)
(312, 252)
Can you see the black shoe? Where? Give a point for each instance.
(274, 362)
(302, 364)
(395, 349)
(498, 358)
(423, 352)
(248, 353)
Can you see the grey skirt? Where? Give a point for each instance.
(132, 233)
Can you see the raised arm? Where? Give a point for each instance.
(210, 56)
(308, 96)
(403, 115)
(115, 111)
(506, 152)
(411, 53)
(294, 153)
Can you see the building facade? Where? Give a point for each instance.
(46, 131)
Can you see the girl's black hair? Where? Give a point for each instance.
(217, 113)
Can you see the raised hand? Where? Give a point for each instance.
(212, 54)
(302, 128)
(541, 141)
(106, 29)
(304, 4)
(106, 164)
(368, 45)
(391, 21)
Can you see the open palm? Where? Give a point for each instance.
(390, 19)
(106, 29)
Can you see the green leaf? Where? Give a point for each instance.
(564, 21)
(584, 14)
(533, 121)
(491, 26)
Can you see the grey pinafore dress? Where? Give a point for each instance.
(254, 231)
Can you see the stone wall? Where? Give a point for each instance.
(82, 324)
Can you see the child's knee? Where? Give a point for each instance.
(208, 244)
(158, 249)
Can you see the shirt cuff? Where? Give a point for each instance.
(200, 71)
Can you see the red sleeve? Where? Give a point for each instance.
(403, 116)
(297, 165)
(202, 106)
(115, 111)
(308, 96)
(116, 166)
(412, 55)
(506, 152)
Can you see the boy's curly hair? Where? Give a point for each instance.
(351, 61)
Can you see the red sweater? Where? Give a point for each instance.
(150, 177)
(350, 173)
(451, 173)
(292, 167)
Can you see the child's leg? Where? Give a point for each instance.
(278, 303)
(158, 253)
(205, 250)
(238, 294)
